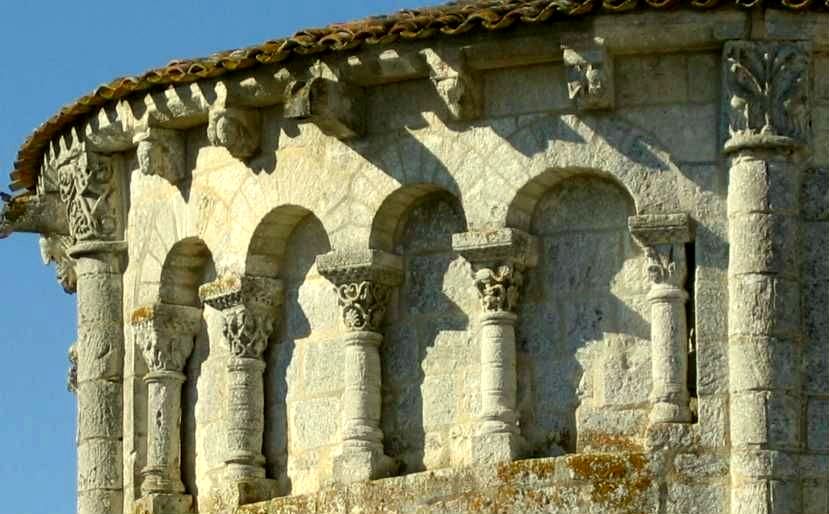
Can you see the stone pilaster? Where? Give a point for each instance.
(249, 309)
(363, 281)
(165, 335)
(499, 259)
(766, 96)
(663, 237)
(89, 190)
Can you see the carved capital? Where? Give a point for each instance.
(238, 130)
(249, 306)
(589, 73)
(88, 186)
(499, 287)
(363, 281)
(767, 92)
(165, 334)
(162, 152)
(55, 248)
(457, 85)
(663, 237)
(337, 108)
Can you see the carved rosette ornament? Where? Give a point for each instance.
(663, 238)
(363, 281)
(767, 109)
(499, 258)
(165, 335)
(249, 309)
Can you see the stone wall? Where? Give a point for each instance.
(583, 200)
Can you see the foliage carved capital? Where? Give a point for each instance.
(767, 93)
(165, 334)
(249, 307)
(499, 287)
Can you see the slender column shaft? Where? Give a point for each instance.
(246, 421)
(165, 334)
(669, 355)
(498, 373)
(99, 351)
(163, 471)
(767, 149)
(363, 281)
(248, 305)
(361, 398)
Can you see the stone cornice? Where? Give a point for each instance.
(106, 120)
(347, 266)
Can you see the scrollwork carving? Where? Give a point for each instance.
(86, 188)
(363, 304)
(247, 332)
(767, 89)
(499, 287)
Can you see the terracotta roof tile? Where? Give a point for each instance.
(451, 19)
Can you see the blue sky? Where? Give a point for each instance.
(53, 52)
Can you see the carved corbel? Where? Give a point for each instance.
(337, 108)
(767, 88)
(162, 152)
(237, 129)
(589, 72)
(55, 249)
(40, 213)
(456, 84)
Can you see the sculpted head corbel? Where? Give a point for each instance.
(236, 129)
(249, 306)
(499, 258)
(55, 249)
(162, 152)
(363, 282)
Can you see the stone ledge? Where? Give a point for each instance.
(574, 483)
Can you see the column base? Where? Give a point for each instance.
(248, 490)
(669, 413)
(496, 448)
(359, 465)
(164, 504)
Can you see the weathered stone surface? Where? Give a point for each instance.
(450, 277)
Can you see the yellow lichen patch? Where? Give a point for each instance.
(221, 286)
(541, 469)
(141, 314)
(610, 443)
(618, 480)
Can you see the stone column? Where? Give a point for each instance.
(249, 309)
(499, 258)
(766, 86)
(663, 237)
(165, 334)
(99, 354)
(91, 190)
(363, 282)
